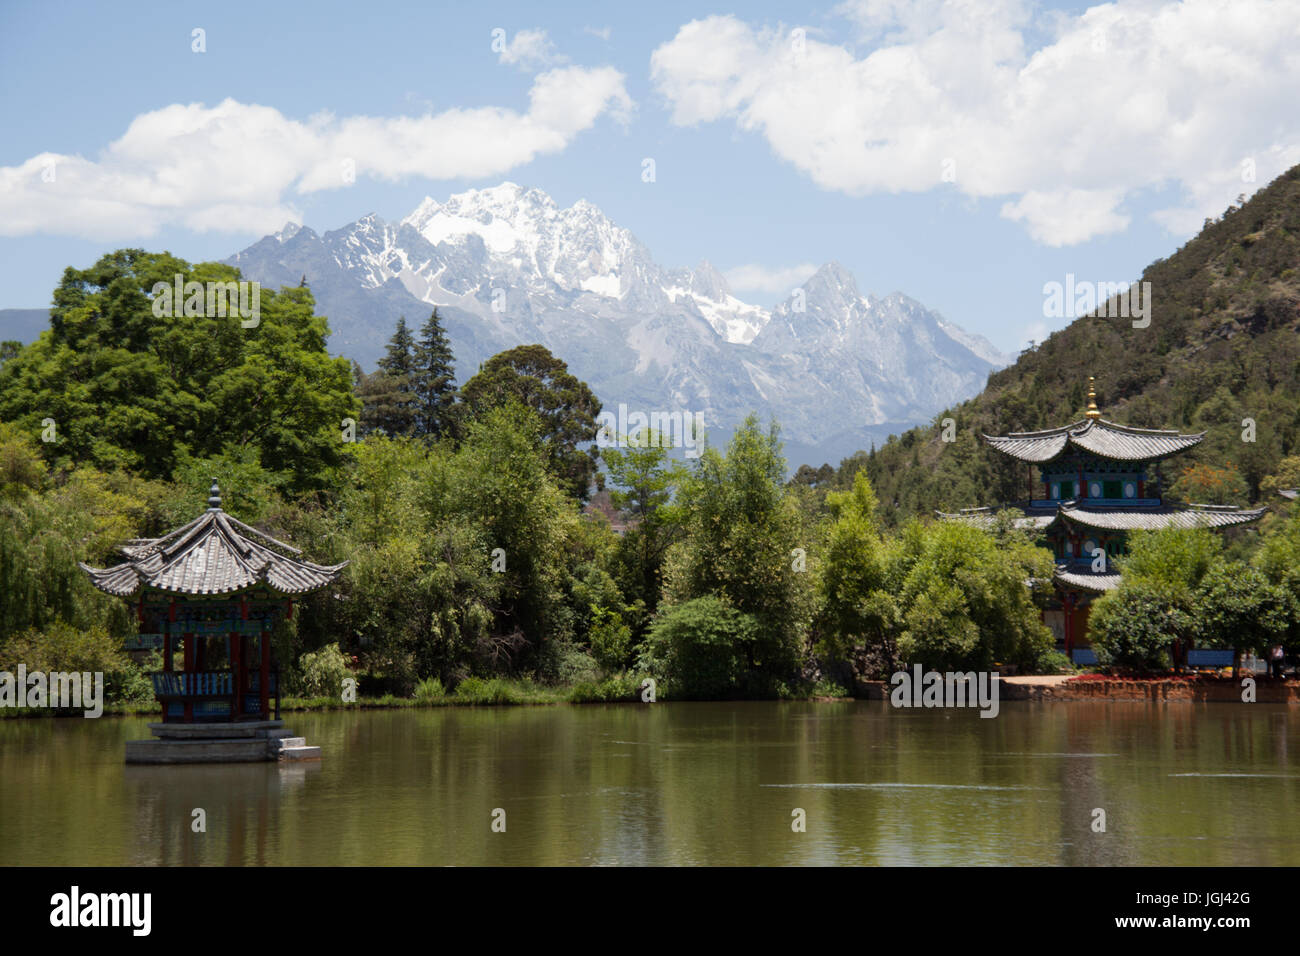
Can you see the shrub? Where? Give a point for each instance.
(1053, 661)
(703, 648)
(495, 690)
(828, 688)
(62, 647)
(132, 685)
(429, 690)
(611, 639)
(565, 662)
(611, 689)
(323, 672)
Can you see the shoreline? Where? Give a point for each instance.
(1223, 690)
(1018, 688)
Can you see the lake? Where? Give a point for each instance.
(680, 784)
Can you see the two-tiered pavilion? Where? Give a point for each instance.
(1099, 481)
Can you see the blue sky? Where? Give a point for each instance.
(1078, 139)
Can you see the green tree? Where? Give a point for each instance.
(1237, 607)
(388, 395)
(644, 479)
(859, 613)
(434, 380)
(740, 547)
(1279, 560)
(499, 482)
(704, 649)
(1136, 627)
(122, 387)
(963, 600)
(1285, 478)
(1157, 598)
(536, 379)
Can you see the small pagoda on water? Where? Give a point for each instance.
(1098, 481)
(214, 589)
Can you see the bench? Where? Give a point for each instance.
(1084, 657)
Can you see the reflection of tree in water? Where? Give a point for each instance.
(243, 802)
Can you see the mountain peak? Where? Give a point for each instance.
(707, 281)
(584, 287)
(833, 285)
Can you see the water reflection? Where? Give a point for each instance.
(680, 784)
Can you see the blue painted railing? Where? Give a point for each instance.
(1209, 657)
(205, 683)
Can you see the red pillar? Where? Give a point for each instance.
(186, 678)
(264, 684)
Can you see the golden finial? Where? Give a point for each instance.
(1093, 410)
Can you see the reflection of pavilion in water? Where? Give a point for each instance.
(242, 805)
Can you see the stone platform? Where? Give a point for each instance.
(236, 742)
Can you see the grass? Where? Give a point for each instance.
(470, 692)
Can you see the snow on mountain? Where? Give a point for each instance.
(507, 265)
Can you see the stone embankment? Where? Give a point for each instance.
(1121, 688)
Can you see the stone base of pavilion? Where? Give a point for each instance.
(238, 742)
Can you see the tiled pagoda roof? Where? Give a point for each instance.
(213, 554)
(1150, 519)
(1086, 581)
(987, 517)
(1096, 436)
(1115, 518)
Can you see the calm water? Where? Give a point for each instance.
(680, 784)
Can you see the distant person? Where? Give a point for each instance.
(1277, 658)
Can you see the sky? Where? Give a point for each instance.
(964, 152)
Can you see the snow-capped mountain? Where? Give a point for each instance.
(508, 266)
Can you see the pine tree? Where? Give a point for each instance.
(434, 381)
(387, 395)
(399, 357)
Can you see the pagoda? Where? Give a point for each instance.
(1098, 481)
(214, 590)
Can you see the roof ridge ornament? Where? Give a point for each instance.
(214, 500)
(1093, 411)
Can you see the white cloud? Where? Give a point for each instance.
(603, 32)
(778, 281)
(530, 50)
(1067, 216)
(235, 166)
(1125, 97)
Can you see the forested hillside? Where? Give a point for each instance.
(1222, 346)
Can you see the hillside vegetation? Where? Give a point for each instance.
(1222, 346)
